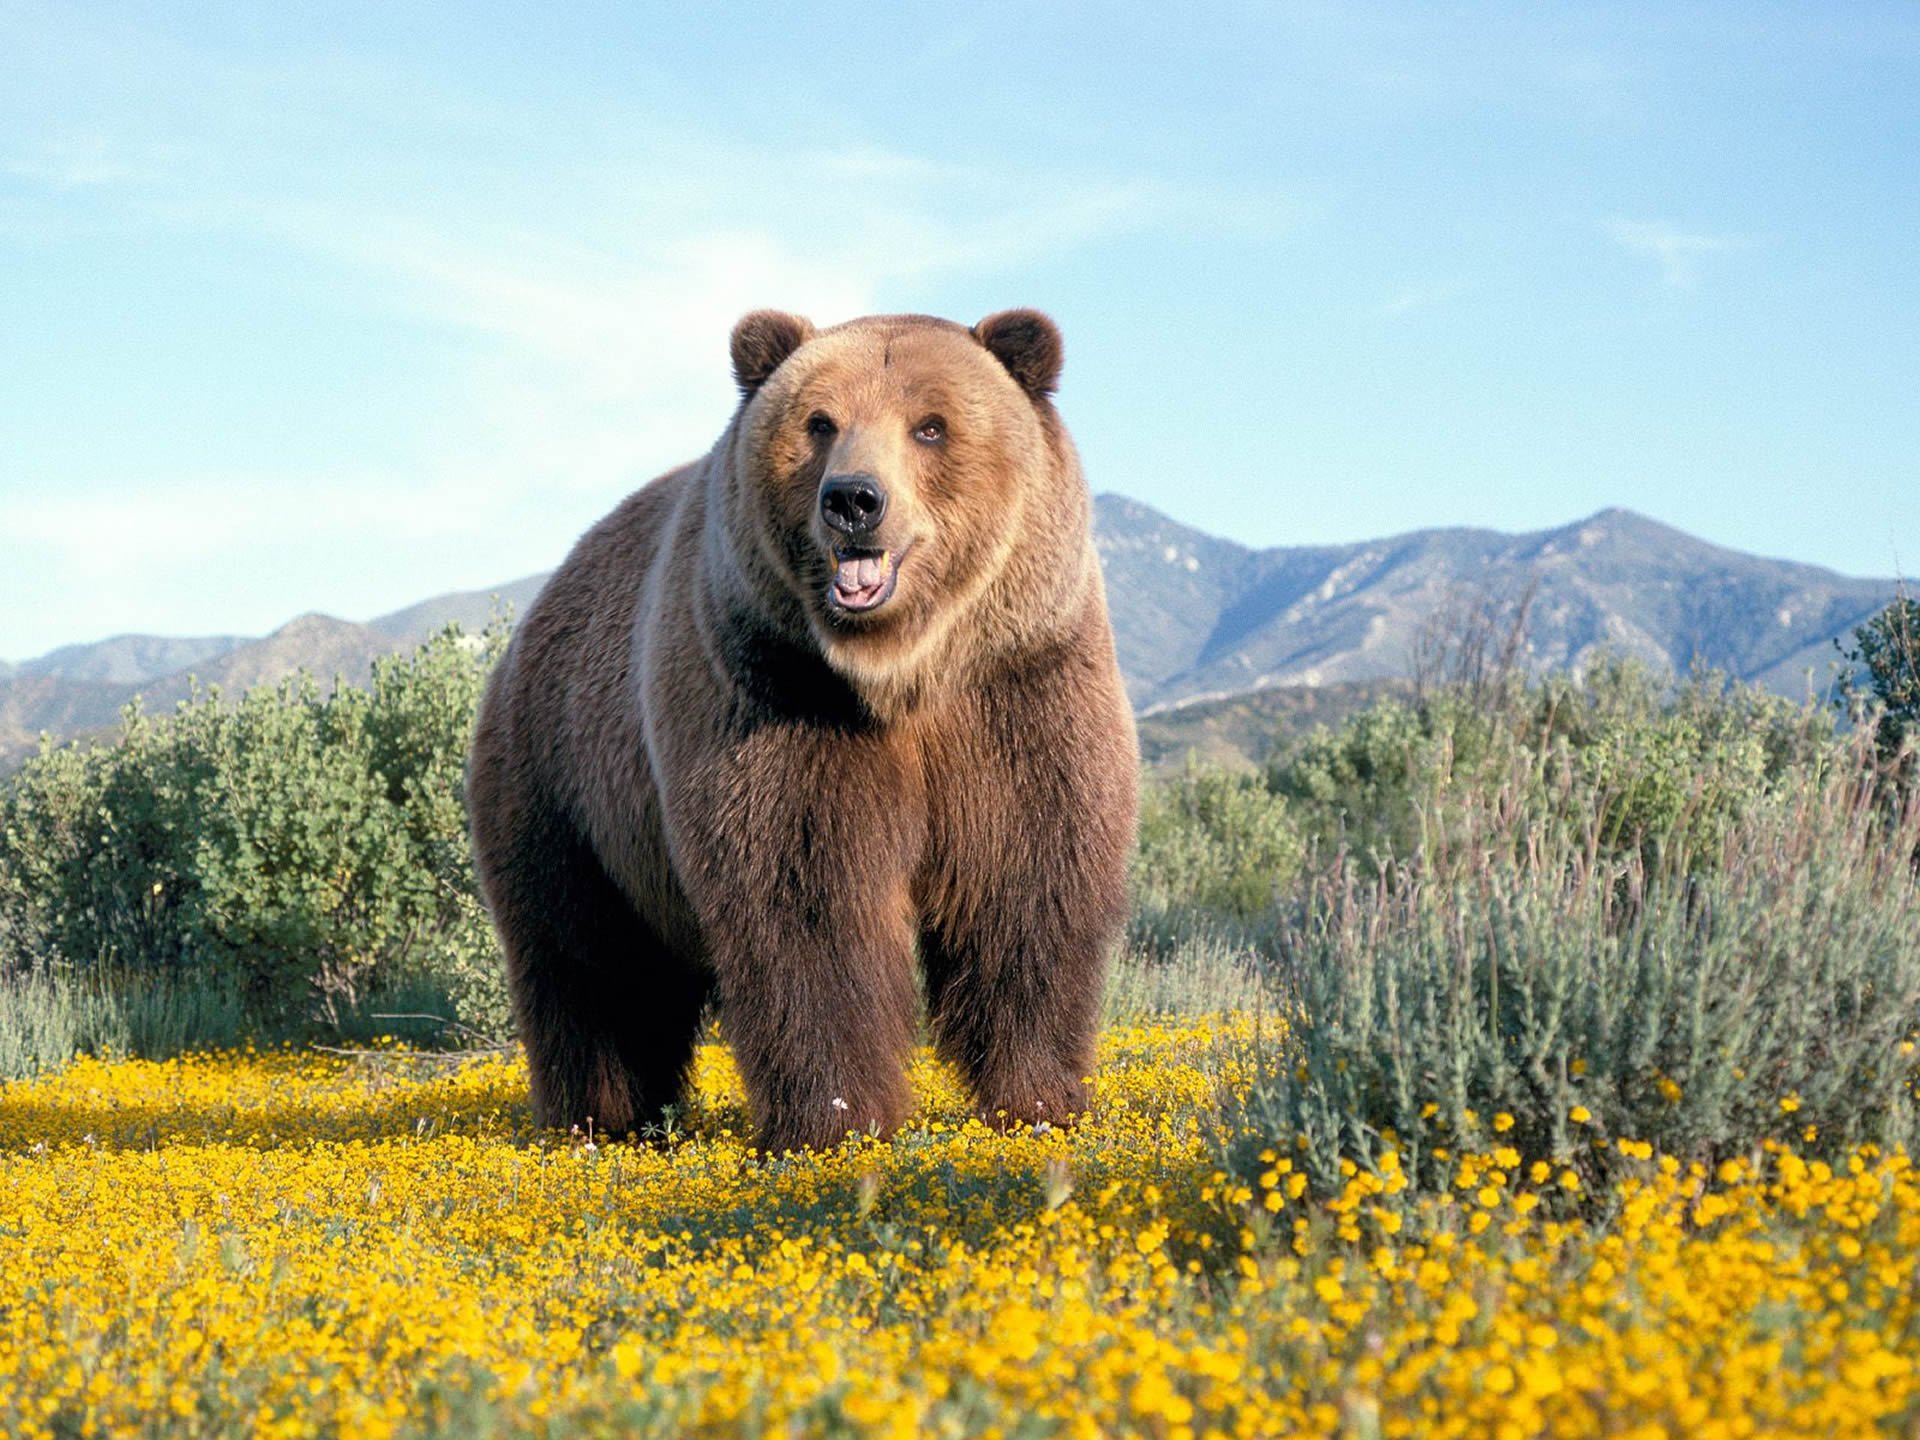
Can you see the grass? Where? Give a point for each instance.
(50, 1016)
(1202, 973)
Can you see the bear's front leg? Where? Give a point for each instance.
(1015, 1003)
(795, 850)
(1025, 896)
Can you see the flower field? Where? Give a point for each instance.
(294, 1243)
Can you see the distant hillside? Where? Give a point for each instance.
(57, 706)
(60, 694)
(1195, 615)
(472, 608)
(1195, 618)
(124, 659)
(1244, 729)
(67, 705)
(319, 644)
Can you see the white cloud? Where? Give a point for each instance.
(105, 533)
(594, 356)
(1419, 297)
(1677, 251)
(81, 160)
(589, 291)
(600, 354)
(242, 553)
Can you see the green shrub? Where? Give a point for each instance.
(1754, 975)
(309, 851)
(1660, 764)
(1887, 649)
(1353, 788)
(47, 1018)
(1216, 849)
(1200, 974)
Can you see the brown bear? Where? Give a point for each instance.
(841, 692)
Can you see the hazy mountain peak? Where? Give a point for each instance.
(1615, 580)
(1623, 526)
(1119, 523)
(126, 659)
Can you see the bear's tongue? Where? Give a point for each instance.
(861, 578)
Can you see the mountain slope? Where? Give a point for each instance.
(66, 704)
(1616, 580)
(125, 659)
(30, 705)
(472, 608)
(319, 644)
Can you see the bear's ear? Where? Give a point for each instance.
(761, 341)
(1028, 344)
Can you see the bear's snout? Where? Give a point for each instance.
(852, 504)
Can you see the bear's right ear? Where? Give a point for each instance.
(761, 341)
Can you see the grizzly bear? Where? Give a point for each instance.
(839, 694)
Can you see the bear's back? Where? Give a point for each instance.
(566, 697)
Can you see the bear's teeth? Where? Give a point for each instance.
(862, 572)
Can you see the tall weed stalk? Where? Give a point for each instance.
(1522, 980)
(49, 1015)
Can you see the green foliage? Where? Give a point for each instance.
(1201, 973)
(1659, 765)
(310, 851)
(1667, 907)
(46, 1019)
(1678, 995)
(1887, 648)
(1354, 787)
(51, 1015)
(1217, 842)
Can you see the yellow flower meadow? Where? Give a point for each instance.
(299, 1244)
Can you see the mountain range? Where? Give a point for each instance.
(1196, 618)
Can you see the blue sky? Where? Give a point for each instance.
(335, 312)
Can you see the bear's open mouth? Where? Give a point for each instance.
(862, 579)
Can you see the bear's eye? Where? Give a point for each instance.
(930, 431)
(820, 426)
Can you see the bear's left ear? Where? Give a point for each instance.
(761, 341)
(1028, 344)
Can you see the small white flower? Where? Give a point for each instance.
(838, 1103)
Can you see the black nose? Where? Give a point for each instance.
(852, 504)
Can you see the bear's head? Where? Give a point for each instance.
(894, 473)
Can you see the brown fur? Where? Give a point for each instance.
(694, 778)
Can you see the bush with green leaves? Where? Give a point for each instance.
(1214, 843)
(310, 850)
(1887, 650)
(1658, 763)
